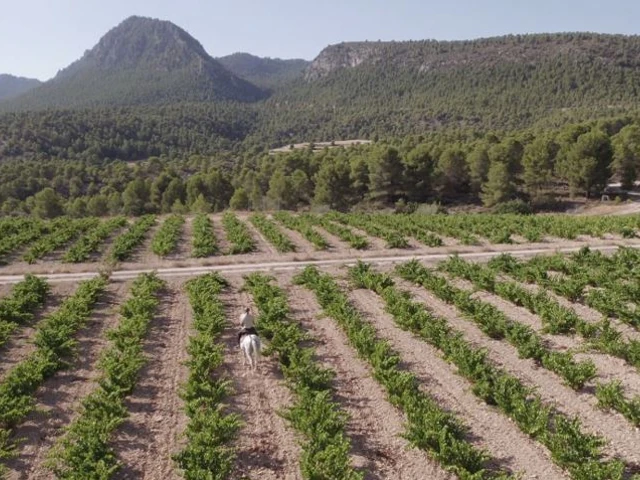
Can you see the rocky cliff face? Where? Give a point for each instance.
(428, 55)
(342, 55)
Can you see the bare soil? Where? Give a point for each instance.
(489, 428)
(221, 237)
(608, 367)
(375, 426)
(152, 433)
(144, 258)
(267, 447)
(623, 438)
(183, 251)
(20, 344)
(301, 244)
(59, 399)
(262, 245)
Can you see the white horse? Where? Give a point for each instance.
(250, 346)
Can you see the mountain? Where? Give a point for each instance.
(350, 90)
(268, 73)
(141, 61)
(11, 86)
(393, 88)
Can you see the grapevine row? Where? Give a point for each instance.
(429, 427)
(168, 235)
(557, 319)
(303, 225)
(369, 224)
(272, 233)
(578, 452)
(58, 238)
(91, 241)
(84, 451)
(55, 346)
(204, 240)
(210, 430)
(497, 326)
(406, 225)
(341, 231)
(237, 234)
(314, 413)
(124, 244)
(24, 236)
(19, 307)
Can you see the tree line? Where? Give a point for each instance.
(447, 167)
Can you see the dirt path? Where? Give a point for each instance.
(303, 246)
(623, 438)
(267, 447)
(58, 400)
(262, 244)
(152, 433)
(262, 262)
(489, 428)
(20, 344)
(183, 251)
(375, 426)
(220, 235)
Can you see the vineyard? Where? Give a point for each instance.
(394, 347)
(71, 245)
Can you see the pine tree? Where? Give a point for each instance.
(626, 155)
(385, 176)
(500, 186)
(537, 164)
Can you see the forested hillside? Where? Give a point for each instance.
(11, 86)
(142, 61)
(268, 73)
(530, 167)
(165, 127)
(507, 82)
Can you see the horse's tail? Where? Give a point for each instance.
(256, 346)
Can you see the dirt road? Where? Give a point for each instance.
(299, 264)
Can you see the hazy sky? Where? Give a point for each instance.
(39, 37)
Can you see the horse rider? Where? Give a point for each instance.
(247, 324)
